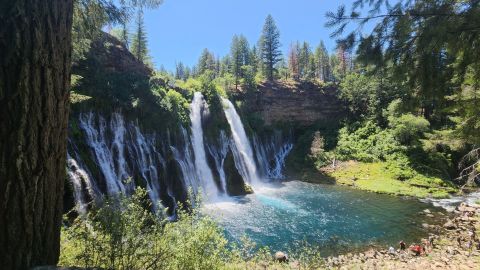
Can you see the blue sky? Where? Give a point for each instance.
(180, 29)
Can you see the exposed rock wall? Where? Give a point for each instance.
(300, 103)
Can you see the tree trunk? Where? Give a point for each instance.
(35, 49)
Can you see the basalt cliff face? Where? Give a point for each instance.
(301, 104)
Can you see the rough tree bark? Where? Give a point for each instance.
(35, 49)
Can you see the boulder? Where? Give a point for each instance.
(281, 257)
(449, 225)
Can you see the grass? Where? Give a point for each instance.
(376, 177)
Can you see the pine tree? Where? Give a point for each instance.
(254, 62)
(270, 47)
(322, 62)
(304, 60)
(225, 65)
(236, 63)
(206, 62)
(240, 54)
(139, 41)
(179, 71)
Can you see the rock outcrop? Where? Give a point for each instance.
(303, 104)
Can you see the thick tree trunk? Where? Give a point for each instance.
(35, 48)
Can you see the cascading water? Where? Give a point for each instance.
(219, 154)
(113, 172)
(117, 145)
(146, 160)
(121, 151)
(184, 159)
(204, 174)
(80, 180)
(271, 155)
(241, 148)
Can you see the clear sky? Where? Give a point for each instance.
(180, 29)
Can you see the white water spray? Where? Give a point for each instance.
(80, 180)
(219, 154)
(97, 140)
(271, 155)
(242, 150)
(203, 171)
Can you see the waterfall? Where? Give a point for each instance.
(184, 159)
(112, 169)
(219, 154)
(80, 180)
(118, 151)
(271, 154)
(203, 171)
(146, 158)
(112, 145)
(241, 148)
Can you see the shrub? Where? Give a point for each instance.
(177, 105)
(318, 155)
(367, 143)
(123, 234)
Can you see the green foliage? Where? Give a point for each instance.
(318, 155)
(139, 46)
(466, 106)
(379, 177)
(177, 105)
(367, 143)
(122, 234)
(414, 45)
(206, 62)
(240, 56)
(360, 92)
(408, 128)
(249, 78)
(401, 146)
(270, 47)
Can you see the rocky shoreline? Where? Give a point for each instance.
(456, 245)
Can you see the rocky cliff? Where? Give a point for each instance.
(302, 104)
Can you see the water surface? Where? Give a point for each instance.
(335, 218)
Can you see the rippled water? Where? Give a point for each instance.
(335, 218)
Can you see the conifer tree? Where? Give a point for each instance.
(304, 59)
(240, 57)
(254, 60)
(270, 47)
(206, 62)
(139, 40)
(322, 62)
(179, 71)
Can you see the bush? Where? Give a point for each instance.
(367, 143)
(122, 234)
(360, 92)
(318, 155)
(406, 128)
(177, 105)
